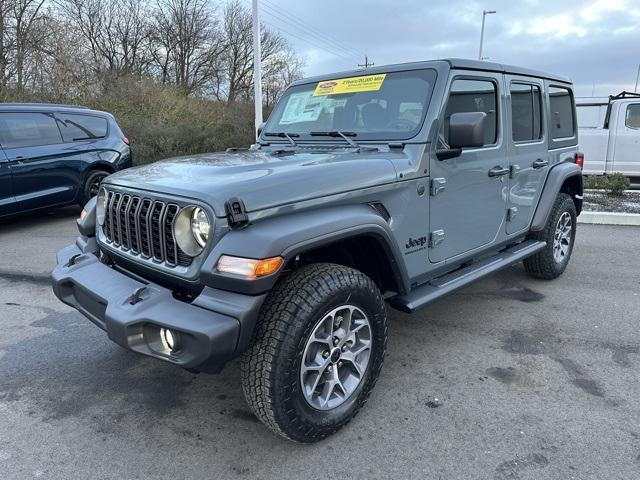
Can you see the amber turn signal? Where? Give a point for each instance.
(249, 267)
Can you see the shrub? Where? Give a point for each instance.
(617, 183)
(614, 184)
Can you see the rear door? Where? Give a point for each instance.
(40, 173)
(7, 200)
(527, 147)
(468, 214)
(627, 140)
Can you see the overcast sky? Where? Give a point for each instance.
(592, 42)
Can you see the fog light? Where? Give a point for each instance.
(169, 339)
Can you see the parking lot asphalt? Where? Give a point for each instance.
(511, 378)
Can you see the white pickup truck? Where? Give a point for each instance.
(610, 134)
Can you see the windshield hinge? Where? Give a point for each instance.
(236, 213)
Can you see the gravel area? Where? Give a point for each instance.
(599, 201)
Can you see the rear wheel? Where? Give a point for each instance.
(92, 184)
(559, 233)
(317, 352)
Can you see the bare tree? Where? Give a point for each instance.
(23, 15)
(186, 44)
(116, 33)
(238, 38)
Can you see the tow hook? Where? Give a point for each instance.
(136, 296)
(72, 260)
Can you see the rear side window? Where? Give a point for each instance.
(632, 119)
(562, 121)
(28, 130)
(76, 127)
(526, 121)
(474, 96)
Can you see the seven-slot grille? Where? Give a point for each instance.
(143, 226)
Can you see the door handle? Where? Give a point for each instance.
(540, 163)
(498, 171)
(17, 160)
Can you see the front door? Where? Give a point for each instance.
(627, 141)
(528, 154)
(468, 213)
(7, 201)
(39, 168)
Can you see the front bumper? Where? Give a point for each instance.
(212, 329)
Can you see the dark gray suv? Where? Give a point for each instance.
(395, 185)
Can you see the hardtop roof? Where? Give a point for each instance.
(453, 63)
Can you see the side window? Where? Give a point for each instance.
(474, 96)
(632, 118)
(81, 127)
(561, 105)
(28, 130)
(526, 121)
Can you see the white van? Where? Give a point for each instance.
(610, 134)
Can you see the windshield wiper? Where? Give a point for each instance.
(338, 133)
(286, 135)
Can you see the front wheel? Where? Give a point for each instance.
(559, 233)
(317, 351)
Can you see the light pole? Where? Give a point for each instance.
(484, 15)
(257, 66)
(637, 79)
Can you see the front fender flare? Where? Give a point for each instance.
(557, 176)
(294, 233)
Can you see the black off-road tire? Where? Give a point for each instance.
(271, 367)
(543, 264)
(89, 188)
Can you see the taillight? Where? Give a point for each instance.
(125, 140)
(579, 159)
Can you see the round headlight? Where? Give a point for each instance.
(191, 229)
(101, 206)
(200, 226)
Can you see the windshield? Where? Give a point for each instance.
(385, 106)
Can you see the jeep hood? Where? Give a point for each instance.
(261, 179)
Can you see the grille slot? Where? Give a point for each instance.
(144, 227)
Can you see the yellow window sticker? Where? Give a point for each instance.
(366, 83)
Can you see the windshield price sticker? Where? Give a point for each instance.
(367, 83)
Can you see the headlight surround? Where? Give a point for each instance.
(191, 229)
(101, 206)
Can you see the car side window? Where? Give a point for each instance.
(28, 130)
(76, 127)
(632, 118)
(561, 111)
(474, 96)
(526, 116)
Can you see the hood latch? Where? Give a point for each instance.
(236, 213)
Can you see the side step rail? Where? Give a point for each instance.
(451, 282)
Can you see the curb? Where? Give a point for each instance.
(609, 218)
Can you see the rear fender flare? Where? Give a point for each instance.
(556, 178)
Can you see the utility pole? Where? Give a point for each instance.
(367, 63)
(637, 79)
(484, 15)
(257, 66)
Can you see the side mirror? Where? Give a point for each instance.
(261, 128)
(466, 129)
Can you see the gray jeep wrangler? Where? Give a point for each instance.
(395, 185)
